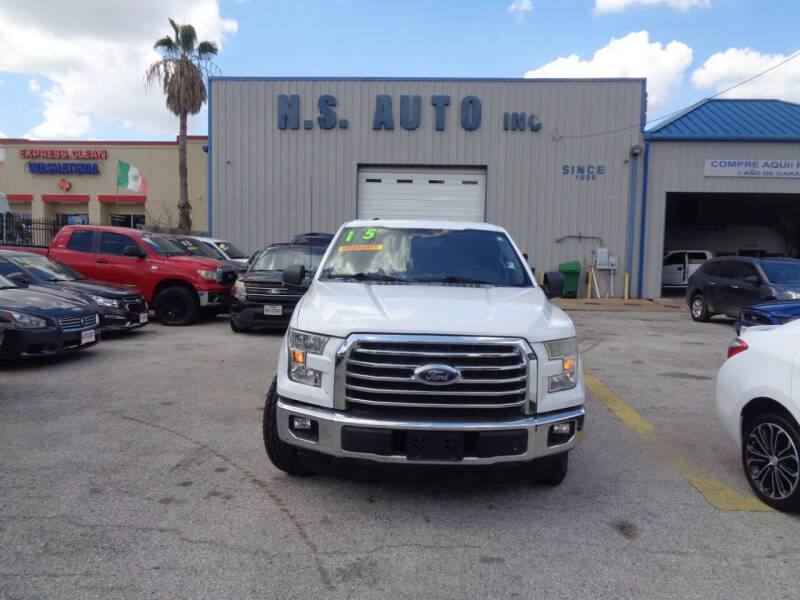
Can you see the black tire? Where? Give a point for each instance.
(281, 454)
(177, 306)
(771, 460)
(698, 308)
(552, 470)
(236, 328)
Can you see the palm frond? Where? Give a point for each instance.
(167, 44)
(176, 29)
(188, 39)
(204, 49)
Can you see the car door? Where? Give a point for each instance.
(719, 285)
(742, 292)
(78, 253)
(673, 271)
(113, 266)
(693, 262)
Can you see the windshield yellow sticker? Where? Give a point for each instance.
(361, 247)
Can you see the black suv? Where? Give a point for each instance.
(259, 299)
(727, 284)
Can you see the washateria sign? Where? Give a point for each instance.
(718, 167)
(39, 167)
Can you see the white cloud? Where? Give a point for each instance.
(519, 8)
(612, 6)
(3, 135)
(631, 56)
(34, 86)
(96, 65)
(724, 69)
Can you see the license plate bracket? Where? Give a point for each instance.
(274, 310)
(88, 336)
(435, 445)
(143, 317)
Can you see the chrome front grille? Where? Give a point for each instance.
(379, 371)
(267, 292)
(78, 322)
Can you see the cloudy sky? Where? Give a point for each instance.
(75, 70)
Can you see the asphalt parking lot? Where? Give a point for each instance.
(137, 470)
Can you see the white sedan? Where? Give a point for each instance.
(758, 401)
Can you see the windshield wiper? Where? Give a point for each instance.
(452, 279)
(369, 277)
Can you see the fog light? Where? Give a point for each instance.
(301, 423)
(562, 428)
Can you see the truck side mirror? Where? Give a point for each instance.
(134, 251)
(293, 275)
(553, 285)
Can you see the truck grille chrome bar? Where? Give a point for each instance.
(379, 371)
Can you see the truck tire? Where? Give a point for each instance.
(238, 328)
(281, 454)
(176, 306)
(553, 469)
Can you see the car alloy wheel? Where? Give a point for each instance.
(697, 308)
(772, 461)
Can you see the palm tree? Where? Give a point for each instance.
(181, 72)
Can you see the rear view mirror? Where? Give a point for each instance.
(134, 251)
(553, 285)
(293, 275)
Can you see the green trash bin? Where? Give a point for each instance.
(571, 272)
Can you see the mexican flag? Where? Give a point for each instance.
(129, 177)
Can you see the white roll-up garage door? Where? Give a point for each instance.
(422, 193)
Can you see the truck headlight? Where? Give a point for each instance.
(301, 344)
(239, 291)
(105, 302)
(207, 274)
(567, 351)
(20, 320)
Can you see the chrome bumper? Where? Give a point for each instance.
(330, 423)
(212, 298)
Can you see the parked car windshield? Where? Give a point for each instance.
(197, 248)
(231, 250)
(466, 256)
(782, 272)
(43, 268)
(162, 246)
(280, 257)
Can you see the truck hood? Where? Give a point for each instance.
(197, 262)
(342, 308)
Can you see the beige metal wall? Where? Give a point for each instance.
(157, 162)
(269, 183)
(677, 166)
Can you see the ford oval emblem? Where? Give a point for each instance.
(436, 374)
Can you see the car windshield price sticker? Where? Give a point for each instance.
(361, 247)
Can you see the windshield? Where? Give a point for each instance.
(162, 246)
(196, 248)
(43, 268)
(231, 250)
(6, 283)
(469, 256)
(782, 272)
(278, 258)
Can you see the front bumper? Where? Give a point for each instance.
(29, 343)
(128, 317)
(251, 314)
(213, 297)
(330, 424)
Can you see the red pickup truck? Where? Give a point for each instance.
(175, 284)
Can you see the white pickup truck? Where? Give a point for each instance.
(427, 343)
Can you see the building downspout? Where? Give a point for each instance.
(644, 216)
(631, 218)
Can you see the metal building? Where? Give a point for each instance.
(556, 162)
(724, 176)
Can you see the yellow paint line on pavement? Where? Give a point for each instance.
(715, 492)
